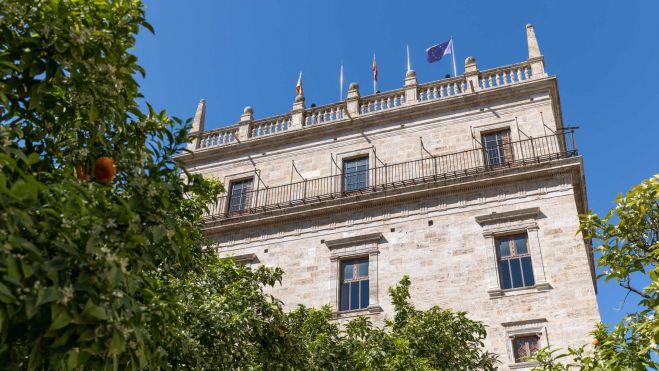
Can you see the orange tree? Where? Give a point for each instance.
(101, 259)
(629, 237)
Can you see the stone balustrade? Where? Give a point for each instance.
(324, 114)
(218, 137)
(269, 126)
(382, 102)
(442, 89)
(504, 76)
(472, 81)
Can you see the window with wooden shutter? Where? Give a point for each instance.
(497, 148)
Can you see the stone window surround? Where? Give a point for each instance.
(478, 131)
(232, 178)
(349, 155)
(507, 223)
(359, 246)
(524, 328)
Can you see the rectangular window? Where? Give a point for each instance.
(525, 347)
(355, 174)
(354, 284)
(239, 195)
(514, 261)
(497, 148)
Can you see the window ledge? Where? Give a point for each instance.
(371, 310)
(515, 366)
(538, 287)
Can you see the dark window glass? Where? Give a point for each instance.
(354, 285)
(355, 174)
(496, 147)
(514, 260)
(239, 195)
(354, 295)
(525, 347)
(363, 303)
(516, 271)
(527, 269)
(504, 269)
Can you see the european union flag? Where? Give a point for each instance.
(436, 52)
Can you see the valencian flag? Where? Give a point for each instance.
(298, 87)
(375, 75)
(436, 52)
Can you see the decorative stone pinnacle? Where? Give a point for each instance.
(410, 78)
(534, 48)
(470, 65)
(199, 117)
(248, 114)
(299, 102)
(353, 90)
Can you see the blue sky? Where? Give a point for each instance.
(239, 53)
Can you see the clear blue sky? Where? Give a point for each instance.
(238, 53)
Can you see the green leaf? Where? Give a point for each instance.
(5, 295)
(60, 321)
(95, 311)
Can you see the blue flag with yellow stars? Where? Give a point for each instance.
(436, 52)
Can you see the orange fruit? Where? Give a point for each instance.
(596, 342)
(104, 169)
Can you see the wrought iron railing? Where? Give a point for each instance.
(393, 176)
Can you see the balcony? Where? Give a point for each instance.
(384, 177)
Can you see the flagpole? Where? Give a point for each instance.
(455, 71)
(409, 67)
(341, 83)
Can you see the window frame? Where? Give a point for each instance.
(514, 255)
(504, 149)
(365, 173)
(354, 247)
(245, 196)
(513, 339)
(356, 278)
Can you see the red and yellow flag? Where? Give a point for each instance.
(298, 87)
(375, 69)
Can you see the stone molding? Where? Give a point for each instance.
(365, 245)
(524, 328)
(506, 223)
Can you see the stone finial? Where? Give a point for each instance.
(199, 118)
(353, 90)
(248, 114)
(534, 49)
(299, 102)
(410, 78)
(470, 65)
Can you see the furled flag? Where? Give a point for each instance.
(298, 87)
(375, 76)
(436, 52)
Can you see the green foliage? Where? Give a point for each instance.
(629, 236)
(435, 339)
(106, 276)
(118, 275)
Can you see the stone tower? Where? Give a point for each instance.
(470, 185)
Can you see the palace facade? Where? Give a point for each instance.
(469, 185)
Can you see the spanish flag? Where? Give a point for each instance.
(375, 69)
(298, 87)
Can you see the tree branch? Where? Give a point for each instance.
(626, 285)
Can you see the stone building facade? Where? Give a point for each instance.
(469, 185)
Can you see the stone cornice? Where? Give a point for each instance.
(494, 217)
(353, 240)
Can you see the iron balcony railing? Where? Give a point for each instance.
(393, 176)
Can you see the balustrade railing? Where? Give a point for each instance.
(382, 102)
(504, 76)
(442, 89)
(218, 137)
(390, 176)
(488, 79)
(325, 114)
(269, 126)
